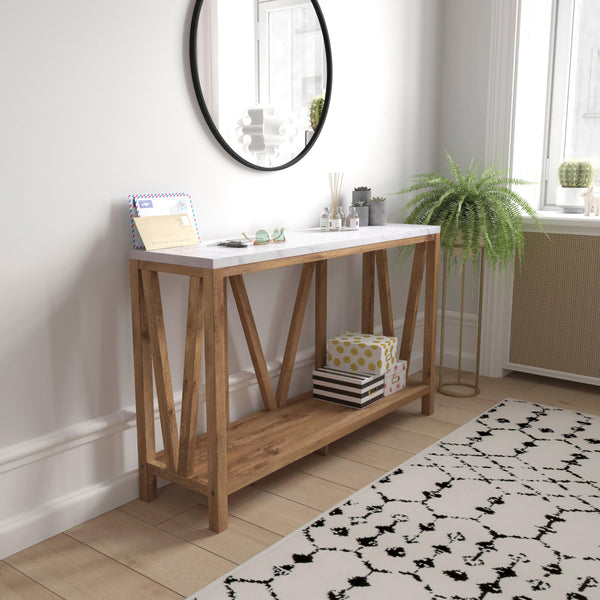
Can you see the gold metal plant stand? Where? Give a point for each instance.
(444, 387)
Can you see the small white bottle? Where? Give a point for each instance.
(352, 218)
(341, 216)
(335, 223)
(324, 221)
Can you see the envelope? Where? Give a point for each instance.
(166, 231)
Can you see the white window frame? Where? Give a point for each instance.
(263, 9)
(558, 92)
(556, 82)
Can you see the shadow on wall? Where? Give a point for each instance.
(78, 355)
(87, 329)
(89, 340)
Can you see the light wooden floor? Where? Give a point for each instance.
(164, 549)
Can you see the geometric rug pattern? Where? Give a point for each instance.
(507, 506)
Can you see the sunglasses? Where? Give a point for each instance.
(263, 237)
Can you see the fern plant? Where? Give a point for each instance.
(474, 210)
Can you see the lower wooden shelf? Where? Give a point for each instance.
(264, 442)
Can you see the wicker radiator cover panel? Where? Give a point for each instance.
(556, 305)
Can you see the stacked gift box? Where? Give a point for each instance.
(361, 368)
(349, 389)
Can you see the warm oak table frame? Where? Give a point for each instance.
(233, 455)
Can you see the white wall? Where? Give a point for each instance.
(97, 103)
(463, 105)
(464, 80)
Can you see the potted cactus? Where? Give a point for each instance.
(360, 200)
(575, 178)
(314, 115)
(361, 195)
(316, 110)
(377, 211)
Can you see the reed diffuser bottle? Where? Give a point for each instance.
(335, 185)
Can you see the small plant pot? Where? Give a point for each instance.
(377, 213)
(363, 215)
(570, 199)
(361, 197)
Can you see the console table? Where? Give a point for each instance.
(232, 455)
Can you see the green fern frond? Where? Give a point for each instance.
(477, 210)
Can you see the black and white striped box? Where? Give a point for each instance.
(350, 389)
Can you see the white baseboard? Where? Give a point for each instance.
(64, 512)
(57, 481)
(451, 341)
(555, 374)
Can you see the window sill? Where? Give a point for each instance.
(557, 222)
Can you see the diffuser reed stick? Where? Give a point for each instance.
(335, 185)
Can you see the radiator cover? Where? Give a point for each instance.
(556, 305)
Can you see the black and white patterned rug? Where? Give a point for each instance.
(507, 506)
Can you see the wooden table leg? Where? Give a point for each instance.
(412, 304)
(385, 295)
(226, 348)
(321, 314)
(321, 323)
(429, 335)
(191, 378)
(216, 398)
(368, 293)
(144, 403)
(240, 295)
(162, 370)
(291, 347)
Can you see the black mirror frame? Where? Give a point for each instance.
(208, 117)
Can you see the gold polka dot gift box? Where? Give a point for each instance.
(362, 353)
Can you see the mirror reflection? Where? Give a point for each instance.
(260, 65)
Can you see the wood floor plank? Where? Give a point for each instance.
(429, 426)
(239, 542)
(76, 572)
(475, 404)
(305, 489)
(387, 435)
(183, 491)
(164, 558)
(455, 415)
(168, 505)
(445, 407)
(413, 408)
(339, 470)
(16, 586)
(270, 511)
(368, 453)
(578, 397)
(498, 388)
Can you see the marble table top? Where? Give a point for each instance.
(208, 255)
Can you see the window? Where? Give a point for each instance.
(557, 109)
(291, 55)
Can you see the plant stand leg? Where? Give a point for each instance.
(446, 387)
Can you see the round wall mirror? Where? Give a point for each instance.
(262, 75)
